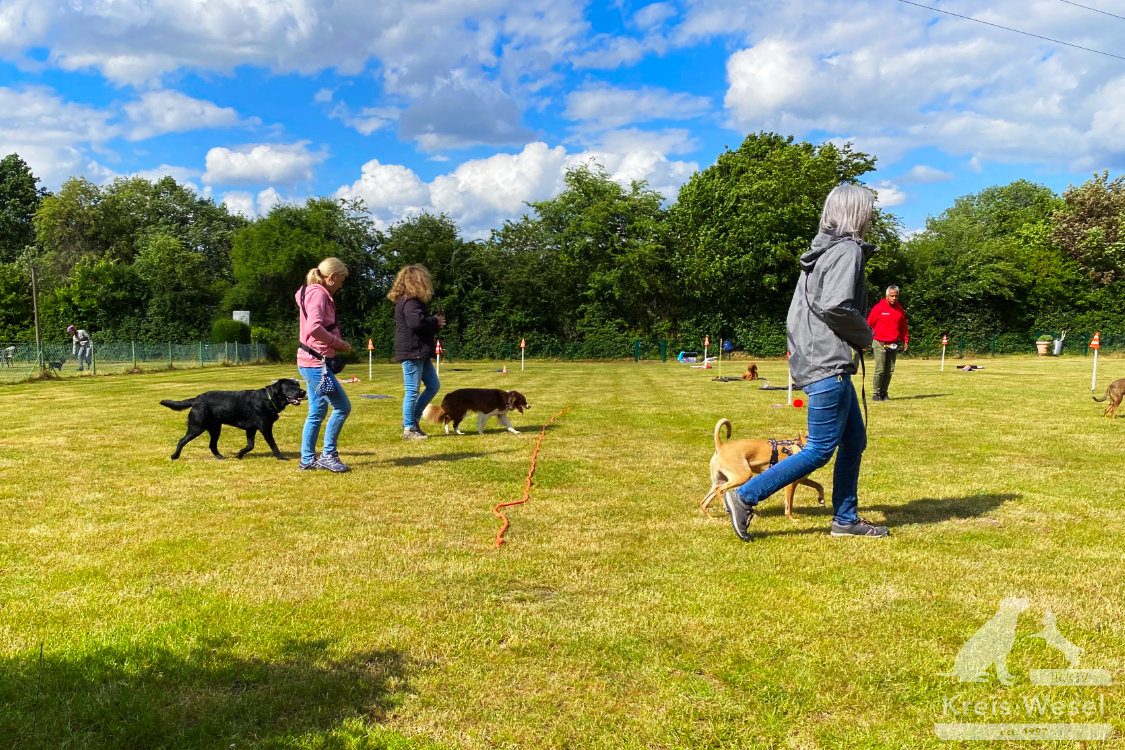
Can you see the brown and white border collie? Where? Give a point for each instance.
(487, 402)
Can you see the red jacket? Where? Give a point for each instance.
(888, 323)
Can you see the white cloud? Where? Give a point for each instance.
(389, 190)
(52, 135)
(667, 141)
(267, 199)
(463, 111)
(239, 202)
(251, 164)
(158, 112)
(612, 107)
(889, 194)
(367, 120)
(182, 175)
(903, 78)
(921, 173)
(480, 194)
(249, 205)
(139, 41)
(654, 15)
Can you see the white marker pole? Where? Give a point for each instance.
(370, 349)
(523, 348)
(944, 341)
(1095, 344)
(437, 351)
(790, 387)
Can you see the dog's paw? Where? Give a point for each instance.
(282, 458)
(513, 431)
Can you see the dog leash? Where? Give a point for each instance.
(527, 487)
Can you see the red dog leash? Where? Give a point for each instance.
(527, 487)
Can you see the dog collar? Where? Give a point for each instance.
(269, 397)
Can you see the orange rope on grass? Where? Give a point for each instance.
(527, 487)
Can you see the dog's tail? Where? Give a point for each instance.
(178, 405)
(718, 429)
(1103, 398)
(434, 414)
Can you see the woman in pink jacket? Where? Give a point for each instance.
(320, 333)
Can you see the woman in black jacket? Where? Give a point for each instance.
(414, 344)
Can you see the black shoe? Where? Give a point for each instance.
(859, 528)
(876, 397)
(740, 514)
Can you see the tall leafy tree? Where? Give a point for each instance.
(20, 196)
(739, 226)
(271, 257)
(608, 250)
(1090, 227)
(977, 264)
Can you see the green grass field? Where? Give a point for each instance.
(146, 603)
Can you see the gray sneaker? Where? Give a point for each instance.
(332, 462)
(861, 527)
(308, 465)
(414, 434)
(740, 514)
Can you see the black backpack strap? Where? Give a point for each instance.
(305, 312)
(310, 350)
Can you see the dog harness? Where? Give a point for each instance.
(774, 458)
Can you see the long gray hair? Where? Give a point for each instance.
(848, 211)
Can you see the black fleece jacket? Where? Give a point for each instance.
(414, 330)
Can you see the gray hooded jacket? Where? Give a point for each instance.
(826, 319)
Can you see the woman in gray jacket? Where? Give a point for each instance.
(827, 332)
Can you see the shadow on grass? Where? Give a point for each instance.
(920, 395)
(146, 696)
(922, 510)
(420, 460)
(939, 510)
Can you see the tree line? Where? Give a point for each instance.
(596, 266)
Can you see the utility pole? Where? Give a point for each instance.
(35, 308)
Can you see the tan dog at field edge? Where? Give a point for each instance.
(734, 462)
(1114, 393)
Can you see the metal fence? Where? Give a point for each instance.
(20, 361)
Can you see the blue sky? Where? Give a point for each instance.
(473, 107)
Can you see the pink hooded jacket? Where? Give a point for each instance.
(315, 333)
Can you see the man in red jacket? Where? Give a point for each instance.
(888, 321)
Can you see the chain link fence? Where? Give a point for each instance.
(20, 361)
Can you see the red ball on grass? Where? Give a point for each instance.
(798, 403)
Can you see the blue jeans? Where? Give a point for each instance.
(318, 407)
(835, 424)
(415, 371)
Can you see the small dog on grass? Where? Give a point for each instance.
(55, 365)
(1114, 393)
(734, 462)
(751, 372)
(253, 411)
(487, 402)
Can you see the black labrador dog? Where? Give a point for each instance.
(253, 411)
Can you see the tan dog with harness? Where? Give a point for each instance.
(734, 462)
